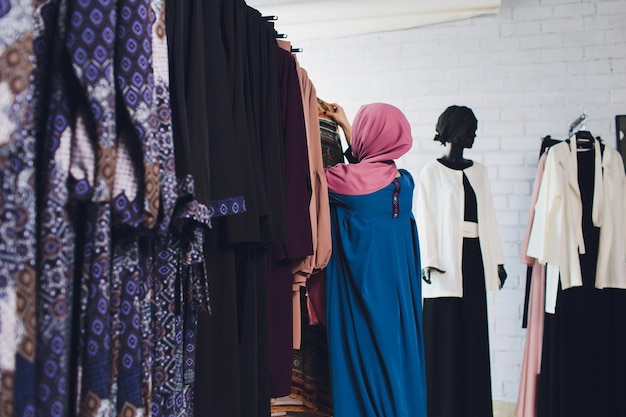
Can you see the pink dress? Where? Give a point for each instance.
(531, 363)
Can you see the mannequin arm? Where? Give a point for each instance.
(502, 275)
(426, 273)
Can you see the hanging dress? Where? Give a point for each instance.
(310, 380)
(536, 284)
(374, 302)
(583, 342)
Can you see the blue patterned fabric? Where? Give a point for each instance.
(17, 207)
(102, 270)
(96, 363)
(56, 234)
(90, 41)
(227, 207)
(129, 330)
(176, 306)
(135, 80)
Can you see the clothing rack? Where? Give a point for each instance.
(272, 19)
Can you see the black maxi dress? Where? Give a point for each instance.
(456, 338)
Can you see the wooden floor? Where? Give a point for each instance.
(298, 411)
(500, 409)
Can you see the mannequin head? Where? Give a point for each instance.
(457, 125)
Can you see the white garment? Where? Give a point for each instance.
(556, 237)
(611, 268)
(439, 214)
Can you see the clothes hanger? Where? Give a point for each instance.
(584, 140)
(279, 35)
(547, 142)
(271, 19)
(577, 133)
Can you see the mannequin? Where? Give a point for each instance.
(462, 258)
(453, 158)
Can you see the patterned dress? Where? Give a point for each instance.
(101, 278)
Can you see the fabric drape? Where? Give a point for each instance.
(374, 325)
(531, 361)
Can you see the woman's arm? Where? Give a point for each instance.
(339, 116)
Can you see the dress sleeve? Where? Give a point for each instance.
(495, 242)
(426, 224)
(542, 244)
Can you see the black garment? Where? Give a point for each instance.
(264, 120)
(456, 338)
(187, 64)
(245, 159)
(233, 162)
(217, 390)
(299, 240)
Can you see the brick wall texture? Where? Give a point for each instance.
(527, 71)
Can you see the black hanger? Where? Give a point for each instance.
(547, 142)
(584, 139)
(584, 135)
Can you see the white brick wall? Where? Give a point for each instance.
(526, 72)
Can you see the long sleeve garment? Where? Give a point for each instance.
(556, 238)
(440, 223)
(319, 208)
(299, 242)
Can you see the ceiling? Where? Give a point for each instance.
(325, 19)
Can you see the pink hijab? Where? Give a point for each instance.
(380, 134)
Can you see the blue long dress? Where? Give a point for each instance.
(374, 304)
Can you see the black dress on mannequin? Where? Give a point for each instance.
(456, 336)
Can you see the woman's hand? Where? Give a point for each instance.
(338, 115)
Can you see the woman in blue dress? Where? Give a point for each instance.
(374, 301)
